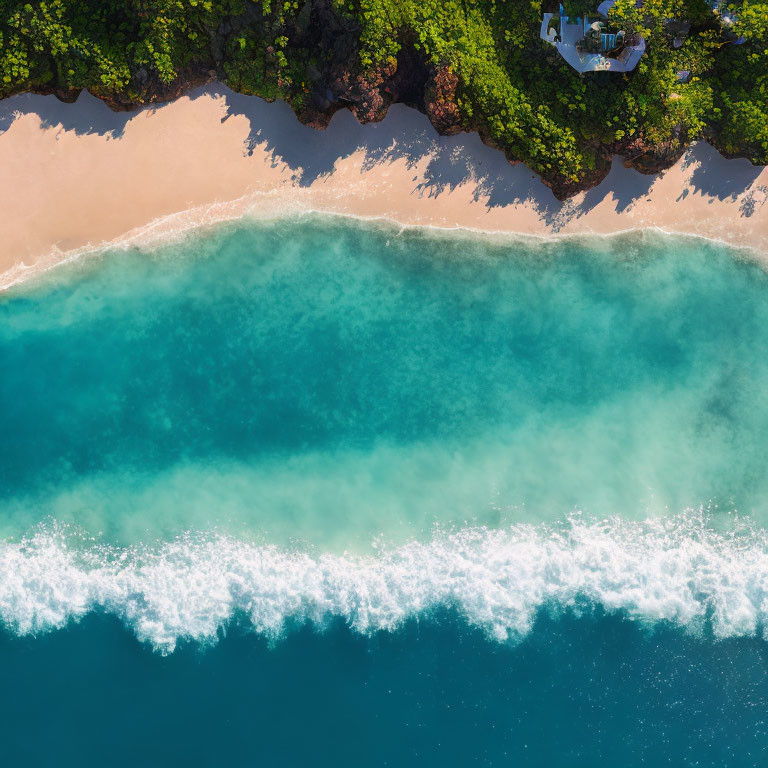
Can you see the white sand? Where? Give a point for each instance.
(77, 177)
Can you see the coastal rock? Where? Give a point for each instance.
(440, 102)
(650, 159)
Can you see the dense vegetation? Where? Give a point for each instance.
(476, 64)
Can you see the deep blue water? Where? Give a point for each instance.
(576, 692)
(319, 492)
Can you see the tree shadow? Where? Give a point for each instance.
(312, 154)
(625, 185)
(708, 178)
(754, 200)
(445, 162)
(88, 115)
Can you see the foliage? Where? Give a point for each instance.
(578, 9)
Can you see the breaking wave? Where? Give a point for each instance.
(669, 569)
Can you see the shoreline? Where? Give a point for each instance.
(81, 179)
(146, 238)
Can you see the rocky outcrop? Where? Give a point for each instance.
(652, 158)
(441, 103)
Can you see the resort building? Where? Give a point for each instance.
(591, 44)
(727, 20)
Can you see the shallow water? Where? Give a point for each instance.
(329, 382)
(448, 498)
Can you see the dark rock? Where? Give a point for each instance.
(440, 103)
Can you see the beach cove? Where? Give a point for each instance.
(79, 177)
(352, 474)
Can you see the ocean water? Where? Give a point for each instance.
(320, 491)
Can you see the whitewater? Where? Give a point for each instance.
(675, 569)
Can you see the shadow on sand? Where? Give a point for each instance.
(407, 135)
(87, 115)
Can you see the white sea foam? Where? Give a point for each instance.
(674, 569)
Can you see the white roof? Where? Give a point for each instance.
(571, 34)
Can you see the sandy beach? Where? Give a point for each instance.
(77, 177)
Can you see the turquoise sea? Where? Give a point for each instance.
(317, 491)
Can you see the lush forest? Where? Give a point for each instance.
(469, 64)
